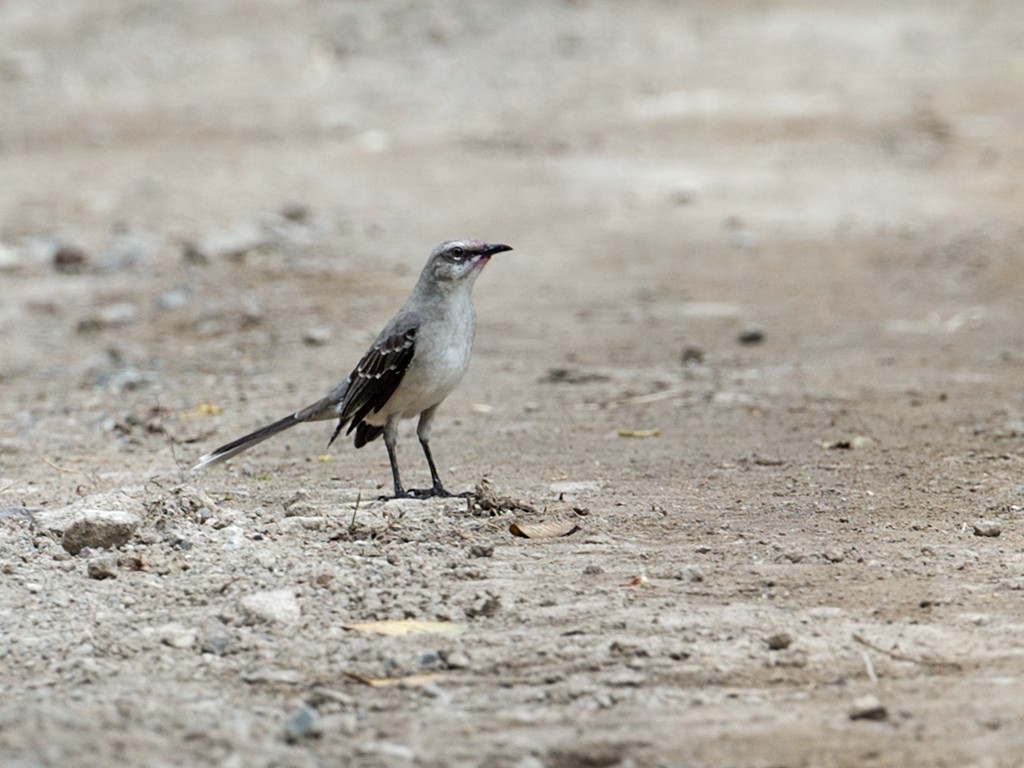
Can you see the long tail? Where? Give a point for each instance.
(324, 409)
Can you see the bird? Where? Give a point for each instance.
(416, 361)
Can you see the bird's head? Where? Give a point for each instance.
(460, 261)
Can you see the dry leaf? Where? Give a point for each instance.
(383, 682)
(408, 627)
(546, 529)
(203, 409)
(639, 432)
(638, 581)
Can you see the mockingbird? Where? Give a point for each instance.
(415, 363)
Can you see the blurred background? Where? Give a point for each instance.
(203, 189)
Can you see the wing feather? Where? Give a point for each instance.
(377, 376)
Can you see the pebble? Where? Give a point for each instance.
(868, 708)
(456, 659)
(303, 723)
(111, 316)
(780, 641)
(99, 529)
(690, 573)
(750, 335)
(278, 606)
(481, 550)
(989, 528)
(177, 635)
(316, 336)
(70, 260)
(174, 299)
(103, 567)
(834, 555)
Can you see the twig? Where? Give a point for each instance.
(900, 657)
(355, 510)
(869, 666)
(63, 469)
(650, 397)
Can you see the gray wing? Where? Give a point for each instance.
(378, 375)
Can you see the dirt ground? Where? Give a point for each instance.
(761, 339)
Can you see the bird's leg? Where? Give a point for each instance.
(423, 432)
(390, 440)
(436, 488)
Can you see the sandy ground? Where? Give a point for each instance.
(781, 240)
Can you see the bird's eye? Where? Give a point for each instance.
(457, 253)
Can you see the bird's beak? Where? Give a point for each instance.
(490, 250)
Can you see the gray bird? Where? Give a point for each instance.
(415, 363)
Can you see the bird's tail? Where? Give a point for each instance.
(323, 409)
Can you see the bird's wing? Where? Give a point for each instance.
(379, 373)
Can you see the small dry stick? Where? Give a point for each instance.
(355, 510)
(869, 666)
(900, 657)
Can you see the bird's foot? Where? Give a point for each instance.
(435, 492)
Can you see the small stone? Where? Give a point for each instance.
(274, 607)
(750, 335)
(296, 212)
(299, 505)
(780, 641)
(217, 641)
(692, 356)
(456, 659)
(99, 529)
(989, 528)
(111, 316)
(316, 336)
(70, 260)
(174, 299)
(303, 723)
(834, 555)
(868, 708)
(592, 570)
(103, 567)
(690, 573)
(177, 636)
(481, 550)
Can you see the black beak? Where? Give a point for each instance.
(490, 250)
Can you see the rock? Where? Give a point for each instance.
(10, 258)
(176, 298)
(989, 528)
(457, 659)
(299, 505)
(692, 355)
(70, 260)
(750, 335)
(303, 723)
(176, 635)
(99, 529)
(218, 641)
(275, 607)
(111, 316)
(834, 555)
(690, 573)
(102, 567)
(780, 641)
(316, 336)
(481, 550)
(868, 708)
